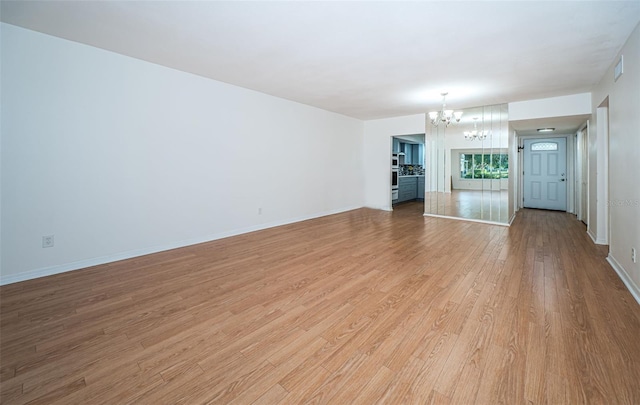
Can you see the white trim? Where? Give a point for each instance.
(581, 176)
(577, 172)
(602, 174)
(81, 264)
(624, 276)
(519, 174)
(571, 175)
(467, 219)
(586, 218)
(596, 240)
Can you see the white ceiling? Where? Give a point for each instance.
(362, 59)
(563, 125)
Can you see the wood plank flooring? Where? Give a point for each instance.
(363, 307)
(484, 205)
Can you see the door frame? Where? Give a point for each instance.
(581, 169)
(603, 231)
(415, 139)
(570, 167)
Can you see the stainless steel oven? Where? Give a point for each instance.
(395, 169)
(395, 162)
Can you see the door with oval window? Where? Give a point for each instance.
(545, 173)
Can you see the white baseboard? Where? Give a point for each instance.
(380, 207)
(81, 264)
(624, 276)
(595, 240)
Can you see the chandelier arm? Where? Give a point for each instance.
(445, 116)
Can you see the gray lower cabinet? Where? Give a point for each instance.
(420, 187)
(410, 188)
(407, 188)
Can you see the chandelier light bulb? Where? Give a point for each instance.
(475, 134)
(444, 115)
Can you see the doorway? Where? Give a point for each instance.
(408, 165)
(545, 174)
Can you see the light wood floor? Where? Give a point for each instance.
(362, 307)
(485, 205)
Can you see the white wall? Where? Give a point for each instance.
(513, 185)
(575, 104)
(623, 163)
(118, 157)
(377, 155)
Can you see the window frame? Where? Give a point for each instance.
(479, 163)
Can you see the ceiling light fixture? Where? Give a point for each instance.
(444, 115)
(475, 134)
(546, 129)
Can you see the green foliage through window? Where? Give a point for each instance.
(484, 166)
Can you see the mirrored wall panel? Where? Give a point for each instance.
(467, 166)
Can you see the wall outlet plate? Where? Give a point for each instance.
(47, 241)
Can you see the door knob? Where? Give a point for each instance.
(561, 179)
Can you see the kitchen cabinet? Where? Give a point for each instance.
(410, 188)
(396, 146)
(413, 153)
(407, 188)
(407, 149)
(420, 187)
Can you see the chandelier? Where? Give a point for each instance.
(444, 115)
(475, 134)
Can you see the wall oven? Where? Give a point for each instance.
(394, 179)
(395, 168)
(395, 162)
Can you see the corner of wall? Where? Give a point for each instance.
(625, 277)
(613, 164)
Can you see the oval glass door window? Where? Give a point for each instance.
(544, 146)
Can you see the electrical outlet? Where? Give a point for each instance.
(47, 241)
(633, 255)
(260, 211)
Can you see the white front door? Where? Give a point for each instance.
(545, 173)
